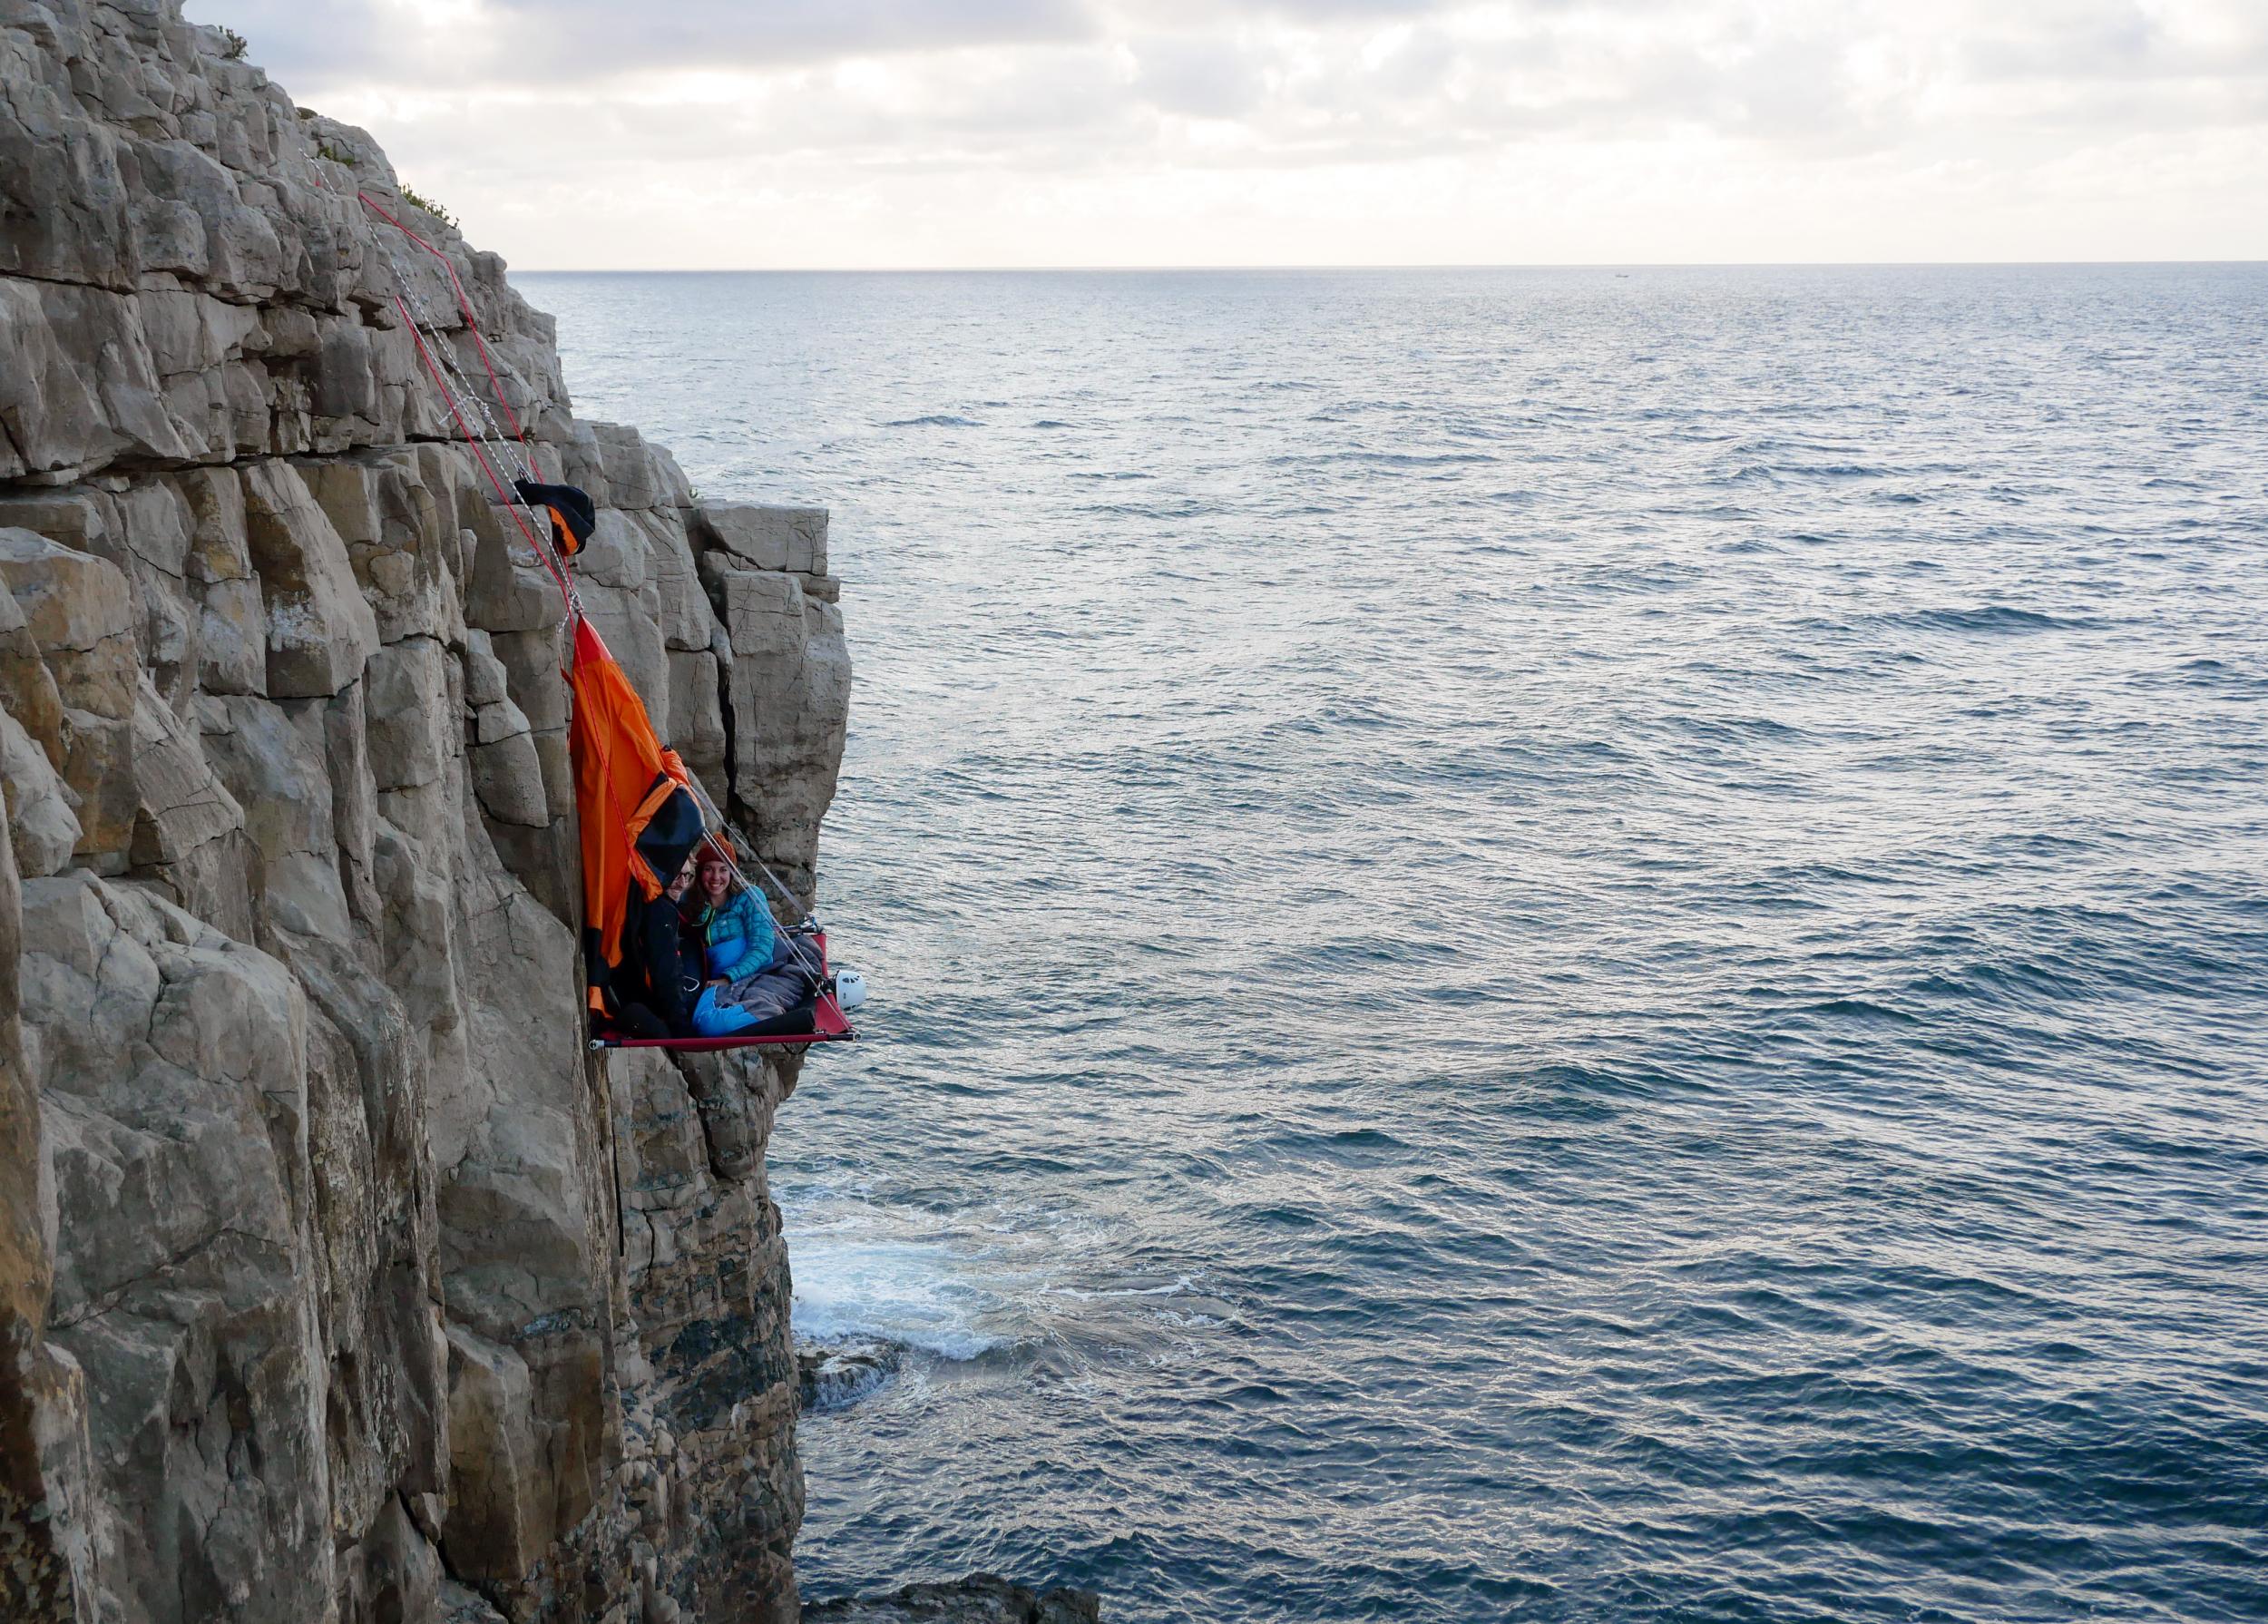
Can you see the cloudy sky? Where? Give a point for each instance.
(704, 134)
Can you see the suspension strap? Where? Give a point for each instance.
(804, 953)
(472, 323)
(510, 501)
(458, 394)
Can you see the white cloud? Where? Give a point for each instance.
(1144, 132)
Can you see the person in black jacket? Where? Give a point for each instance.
(654, 985)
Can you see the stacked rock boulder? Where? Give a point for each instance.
(337, 1279)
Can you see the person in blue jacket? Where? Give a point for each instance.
(749, 974)
(735, 928)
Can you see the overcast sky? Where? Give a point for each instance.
(702, 133)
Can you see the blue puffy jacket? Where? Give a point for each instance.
(739, 937)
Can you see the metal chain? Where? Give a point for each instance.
(516, 456)
(459, 385)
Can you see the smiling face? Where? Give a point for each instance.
(716, 879)
(684, 879)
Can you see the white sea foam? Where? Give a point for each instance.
(1171, 1288)
(956, 1284)
(905, 1291)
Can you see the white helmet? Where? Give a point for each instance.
(850, 989)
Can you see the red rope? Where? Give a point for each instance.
(509, 500)
(472, 325)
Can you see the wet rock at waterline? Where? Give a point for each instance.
(336, 1280)
(980, 1599)
(834, 1378)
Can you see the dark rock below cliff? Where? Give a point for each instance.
(834, 1378)
(980, 1599)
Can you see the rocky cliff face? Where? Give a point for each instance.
(337, 1281)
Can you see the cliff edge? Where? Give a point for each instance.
(338, 1280)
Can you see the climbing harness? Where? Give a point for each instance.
(641, 813)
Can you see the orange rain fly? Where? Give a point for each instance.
(624, 776)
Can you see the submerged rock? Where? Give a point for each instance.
(834, 1378)
(980, 1599)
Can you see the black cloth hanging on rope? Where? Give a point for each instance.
(574, 514)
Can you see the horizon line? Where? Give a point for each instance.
(1621, 264)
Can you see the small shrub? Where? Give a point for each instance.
(430, 207)
(233, 45)
(326, 151)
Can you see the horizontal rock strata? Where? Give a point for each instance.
(337, 1281)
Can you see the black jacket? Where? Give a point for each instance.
(654, 974)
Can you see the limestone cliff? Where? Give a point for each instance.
(337, 1281)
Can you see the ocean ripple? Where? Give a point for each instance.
(1607, 960)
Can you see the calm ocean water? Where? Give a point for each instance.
(1546, 944)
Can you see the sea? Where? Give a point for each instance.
(1544, 944)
